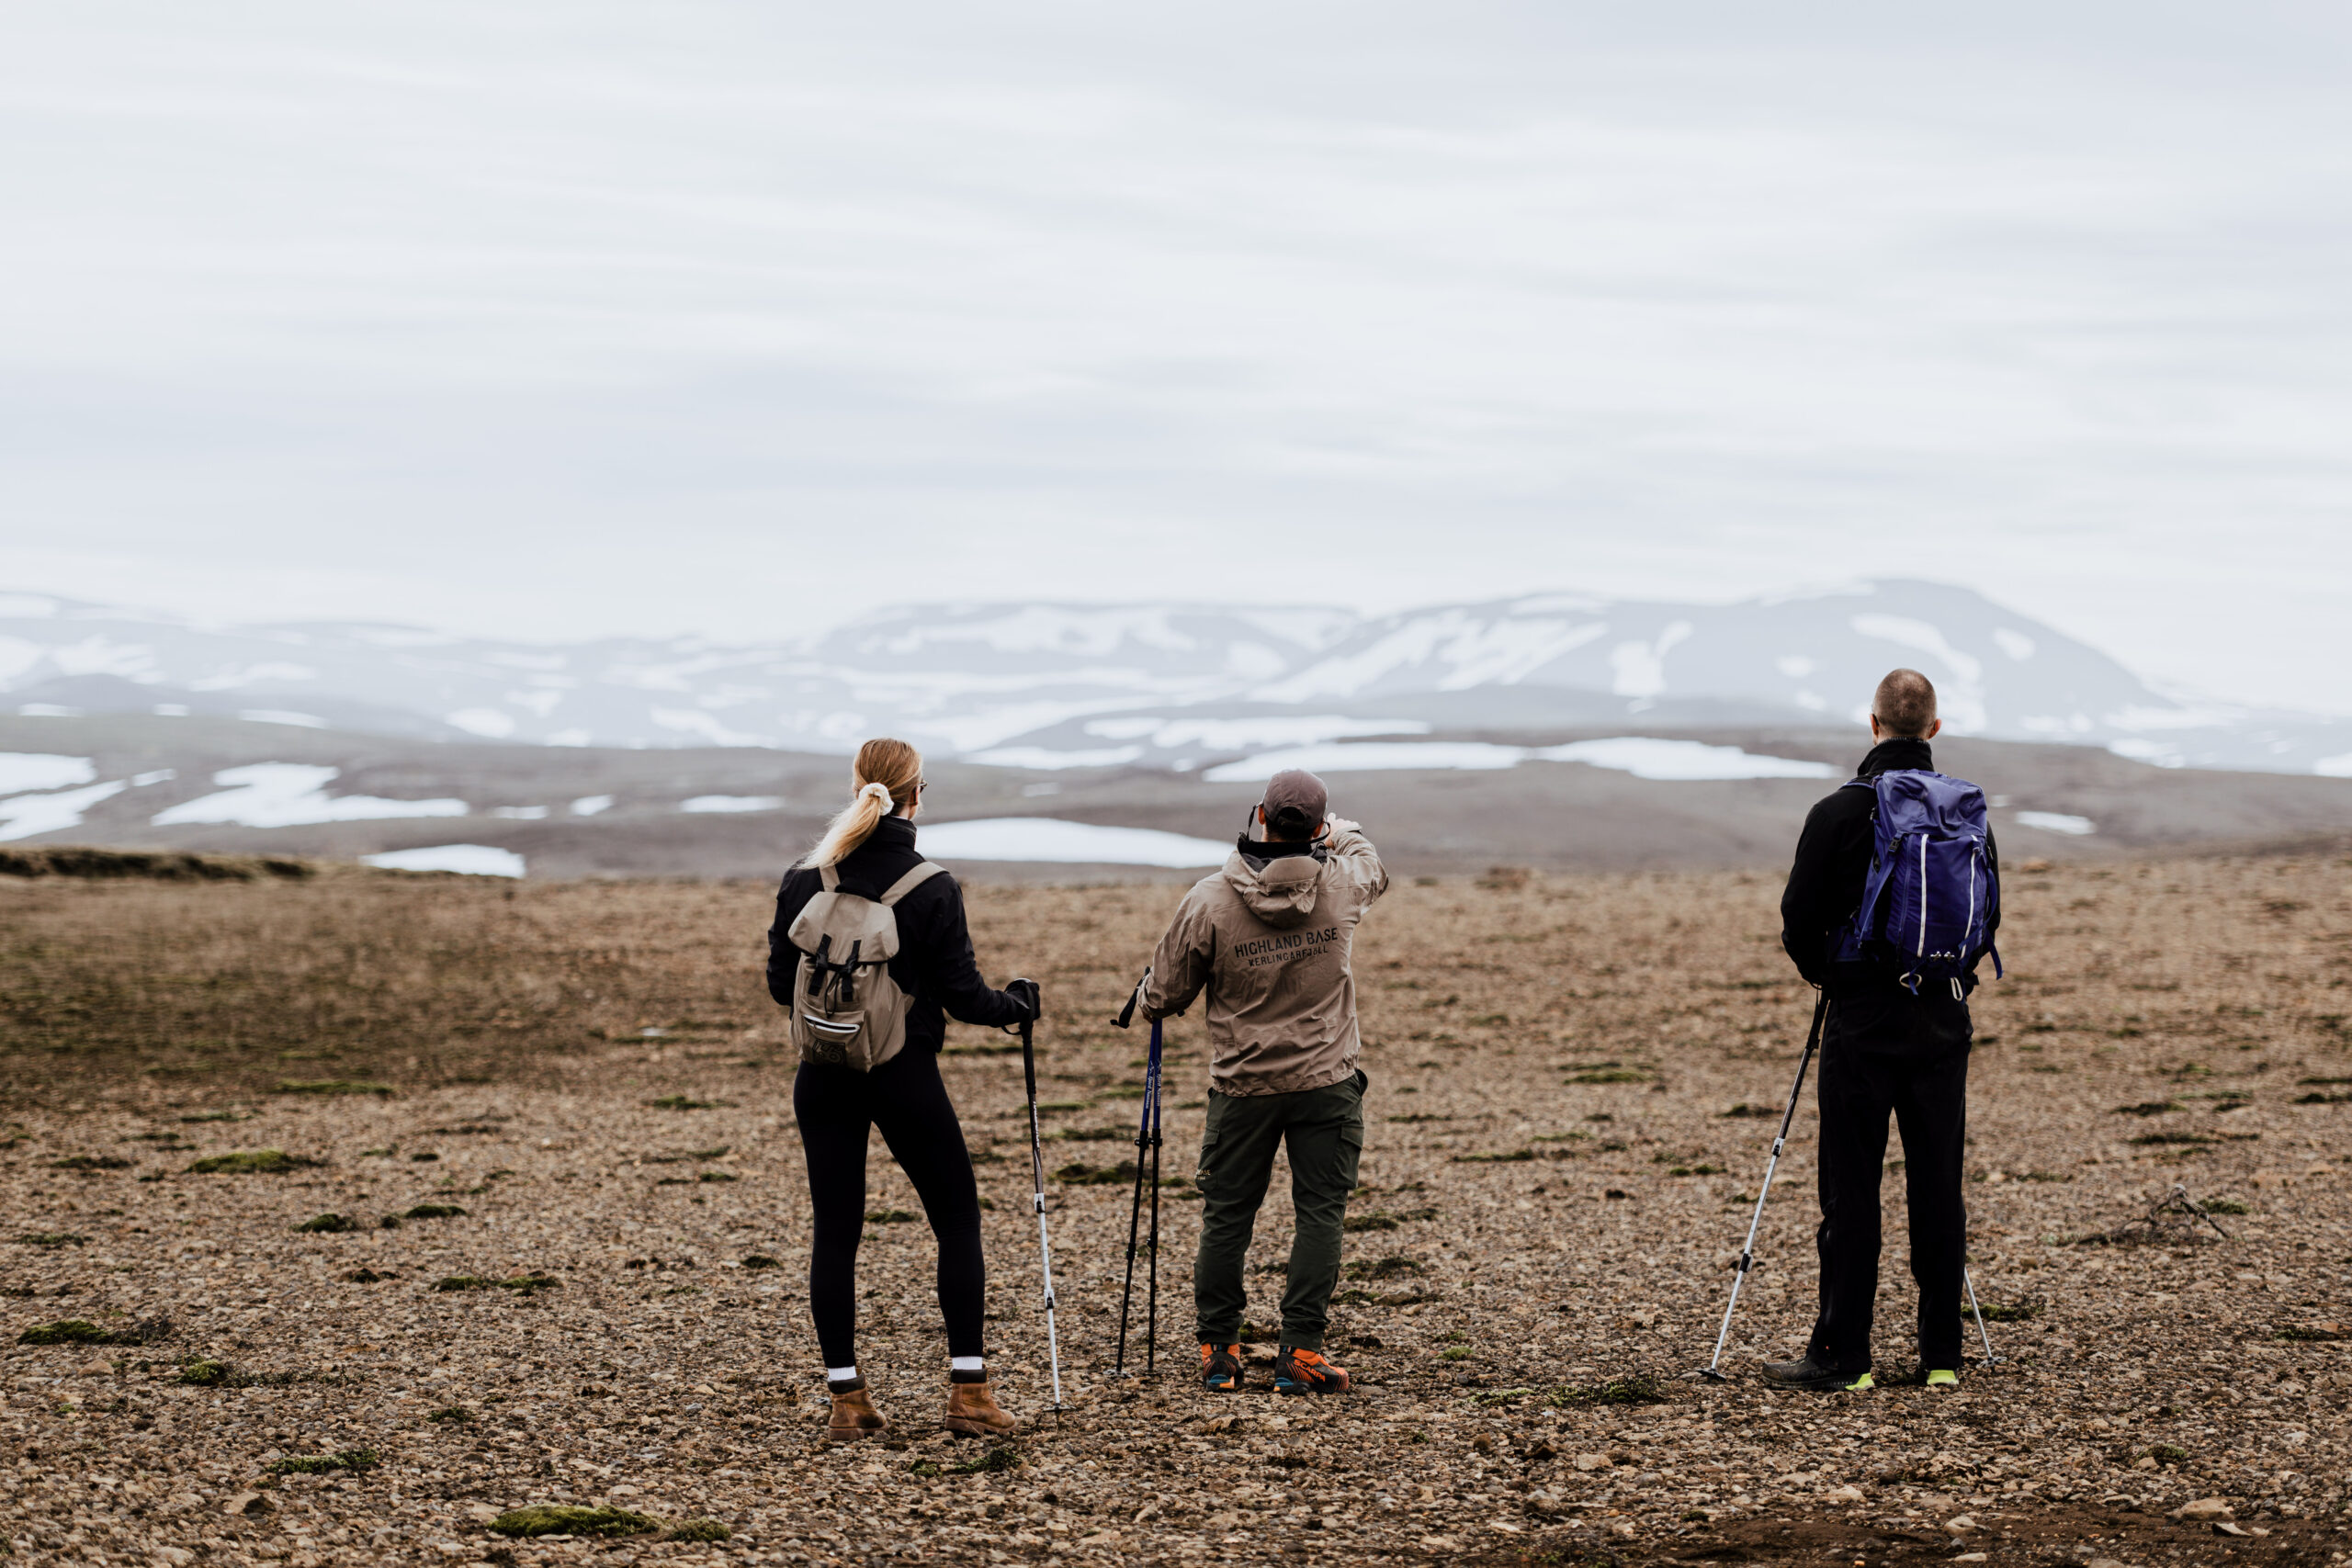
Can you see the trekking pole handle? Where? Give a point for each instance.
(1127, 1013)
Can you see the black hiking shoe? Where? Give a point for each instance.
(1221, 1368)
(1805, 1375)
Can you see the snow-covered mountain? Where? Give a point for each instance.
(1178, 685)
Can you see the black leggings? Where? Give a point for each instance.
(906, 1099)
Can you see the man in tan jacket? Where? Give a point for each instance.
(1269, 938)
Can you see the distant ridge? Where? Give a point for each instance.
(1160, 685)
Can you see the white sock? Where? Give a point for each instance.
(967, 1363)
(842, 1374)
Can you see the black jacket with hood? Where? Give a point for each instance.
(935, 965)
(1833, 861)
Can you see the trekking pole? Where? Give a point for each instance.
(1969, 1280)
(1038, 1173)
(1748, 1250)
(1151, 1111)
(1135, 1208)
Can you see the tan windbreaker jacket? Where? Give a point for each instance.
(1271, 941)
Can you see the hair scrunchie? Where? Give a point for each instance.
(880, 792)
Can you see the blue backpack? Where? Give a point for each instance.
(1929, 896)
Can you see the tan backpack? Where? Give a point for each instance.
(846, 1010)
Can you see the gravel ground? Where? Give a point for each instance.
(1558, 1176)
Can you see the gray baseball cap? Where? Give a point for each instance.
(1295, 788)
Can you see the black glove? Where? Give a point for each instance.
(1025, 992)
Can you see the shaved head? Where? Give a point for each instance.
(1905, 705)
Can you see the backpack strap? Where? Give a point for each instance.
(829, 877)
(923, 872)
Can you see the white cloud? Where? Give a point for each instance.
(1580, 297)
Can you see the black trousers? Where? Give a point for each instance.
(1882, 1054)
(906, 1099)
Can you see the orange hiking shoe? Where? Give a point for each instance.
(1305, 1371)
(1221, 1368)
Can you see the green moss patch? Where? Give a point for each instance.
(1609, 1074)
(1078, 1173)
(889, 1216)
(80, 1331)
(333, 1086)
(1640, 1389)
(996, 1461)
(452, 1415)
(521, 1284)
(2024, 1311)
(51, 1238)
(2149, 1108)
(329, 1223)
(251, 1162)
(353, 1459)
(433, 1212)
(1384, 1268)
(686, 1102)
(92, 1162)
(759, 1260)
(700, 1529)
(565, 1519)
(1512, 1157)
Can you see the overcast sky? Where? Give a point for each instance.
(557, 318)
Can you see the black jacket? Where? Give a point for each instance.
(934, 963)
(1832, 863)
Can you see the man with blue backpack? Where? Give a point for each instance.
(1893, 899)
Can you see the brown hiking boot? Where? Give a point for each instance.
(854, 1417)
(973, 1411)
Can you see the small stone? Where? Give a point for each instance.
(2223, 1527)
(482, 1513)
(2106, 1562)
(242, 1503)
(1592, 1461)
(1843, 1494)
(1960, 1524)
(98, 1367)
(2204, 1509)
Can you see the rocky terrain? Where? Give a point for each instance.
(553, 1121)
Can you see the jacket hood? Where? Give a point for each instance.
(1282, 892)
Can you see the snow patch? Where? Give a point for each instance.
(725, 803)
(1639, 667)
(46, 710)
(1240, 734)
(282, 715)
(488, 723)
(292, 794)
(590, 805)
(1640, 755)
(21, 771)
(1052, 839)
(28, 815)
(2055, 822)
(520, 813)
(2334, 767)
(1369, 757)
(1681, 761)
(1039, 758)
(467, 860)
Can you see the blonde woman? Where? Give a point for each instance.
(867, 852)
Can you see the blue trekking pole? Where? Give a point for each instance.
(1147, 1171)
(1748, 1249)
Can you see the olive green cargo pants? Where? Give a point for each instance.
(1323, 1129)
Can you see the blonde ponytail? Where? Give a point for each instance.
(888, 774)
